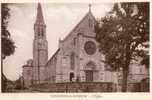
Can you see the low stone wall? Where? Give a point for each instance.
(133, 87)
(138, 87)
(75, 87)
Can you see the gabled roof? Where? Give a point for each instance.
(52, 56)
(26, 66)
(89, 14)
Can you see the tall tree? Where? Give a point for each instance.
(124, 35)
(8, 46)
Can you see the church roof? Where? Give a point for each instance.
(39, 17)
(89, 14)
(26, 66)
(53, 56)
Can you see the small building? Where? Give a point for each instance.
(27, 73)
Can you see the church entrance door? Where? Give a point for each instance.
(89, 75)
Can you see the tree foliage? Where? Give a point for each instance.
(8, 46)
(123, 35)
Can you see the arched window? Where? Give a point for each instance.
(42, 32)
(74, 41)
(39, 32)
(90, 65)
(72, 58)
(90, 23)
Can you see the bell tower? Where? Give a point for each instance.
(40, 47)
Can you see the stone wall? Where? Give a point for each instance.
(76, 87)
(27, 75)
(142, 86)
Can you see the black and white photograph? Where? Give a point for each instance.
(75, 47)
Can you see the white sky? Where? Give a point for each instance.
(60, 19)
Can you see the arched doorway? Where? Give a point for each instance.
(89, 71)
(89, 75)
(71, 76)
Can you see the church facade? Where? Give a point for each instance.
(77, 58)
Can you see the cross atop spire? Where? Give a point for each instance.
(39, 17)
(89, 7)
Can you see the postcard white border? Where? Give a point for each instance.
(79, 96)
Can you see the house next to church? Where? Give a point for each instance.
(77, 58)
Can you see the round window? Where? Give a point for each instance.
(90, 47)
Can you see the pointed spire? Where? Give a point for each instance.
(89, 7)
(39, 17)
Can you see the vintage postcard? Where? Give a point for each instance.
(75, 50)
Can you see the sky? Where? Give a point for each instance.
(60, 19)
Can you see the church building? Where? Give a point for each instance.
(77, 58)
